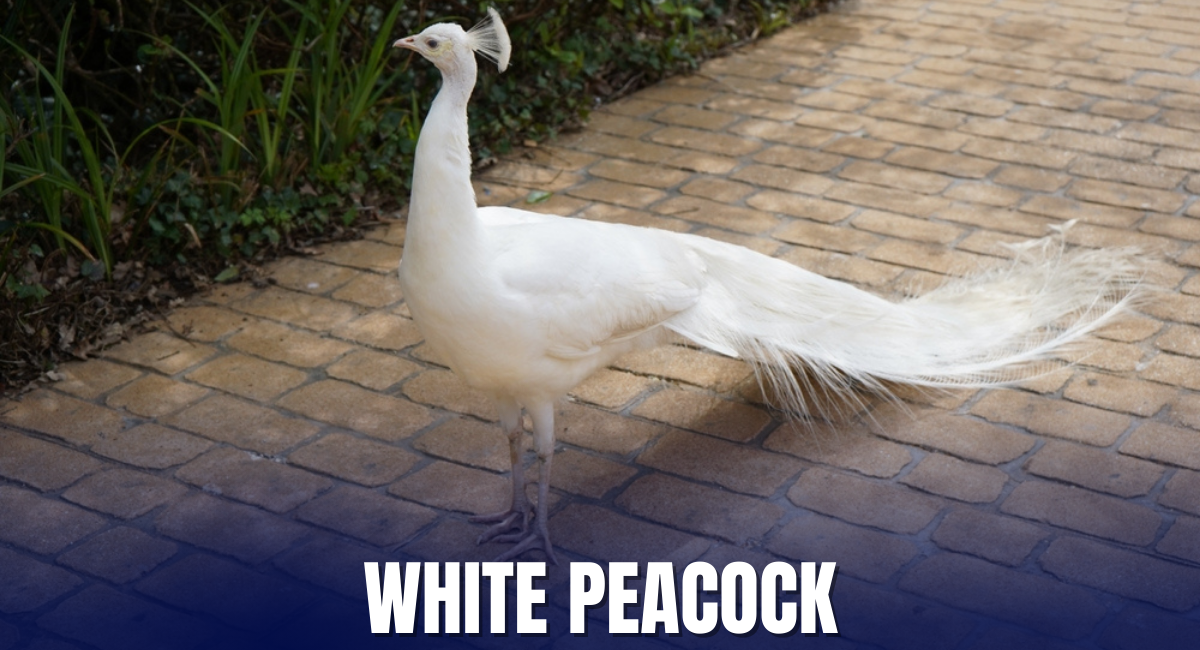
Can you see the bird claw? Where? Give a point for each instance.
(505, 521)
(538, 538)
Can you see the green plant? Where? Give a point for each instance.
(341, 88)
(47, 149)
(240, 94)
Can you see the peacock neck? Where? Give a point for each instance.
(442, 217)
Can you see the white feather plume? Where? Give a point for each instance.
(490, 39)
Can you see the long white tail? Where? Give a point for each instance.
(804, 332)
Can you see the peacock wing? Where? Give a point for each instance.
(588, 285)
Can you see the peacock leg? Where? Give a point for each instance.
(516, 517)
(539, 536)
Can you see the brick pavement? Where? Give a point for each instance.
(229, 472)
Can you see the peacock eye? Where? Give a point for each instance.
(432, 43)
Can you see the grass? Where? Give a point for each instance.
(44, 146)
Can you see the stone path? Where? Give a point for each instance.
(227, 474)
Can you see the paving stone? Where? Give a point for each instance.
(624, 194)
(227, 419)
(701, 210)
(602, 431)
(865, 502)
(449, 486)
(249, 534)
(802, 159)
(858, 147)
(895, 225)
(125, 493)
(1094, 469)
(890, 619)
(225, 294)
(40, 524)
(296, 347)
(1063, 208)
(839, 266)
(94, 377)
(119, 554)
(1116, 570)
(359, 460)
(783, 178)
(1006, 540)
(798, 205)
(330, 563)
(310, 275)
(112, 620)
(817, 235)
(832, 445)
(736, 467)
(1183, 539)
(1164, 443)
(900, 133)
(77, 422)
(956, 435)
(1174, 370)
(151, 446)
(40, 464)
(1040, 603)
(1113, 357)
(367, 515)
(704, 413)
(346, 405)
(370, 290)
(364, 254)
(160, 351)
(205, 322)
(700, 509)
(685, 364)
(947, 476)
(29, 584)
(154, 395)
(251, 478)
(297, 308)
(1050, 417)
(583, 473)
(612, 389)
(898, 177)
(236, 595)
(604, 535)
(635, 173)
(859, 552)
(248, 377)
(467, 441)
(921, 255)
(380, 330)
(1142, 627)
(371, 369)
(457, 541)
(1182, 492)
(445, 389)
(1084, 511)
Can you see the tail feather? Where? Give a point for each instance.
(986, 329)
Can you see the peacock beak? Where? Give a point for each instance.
(408, 43)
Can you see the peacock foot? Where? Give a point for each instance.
(536, 538)
(506, 521)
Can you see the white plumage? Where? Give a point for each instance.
(525, 306)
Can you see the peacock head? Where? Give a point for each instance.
(450, 47)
